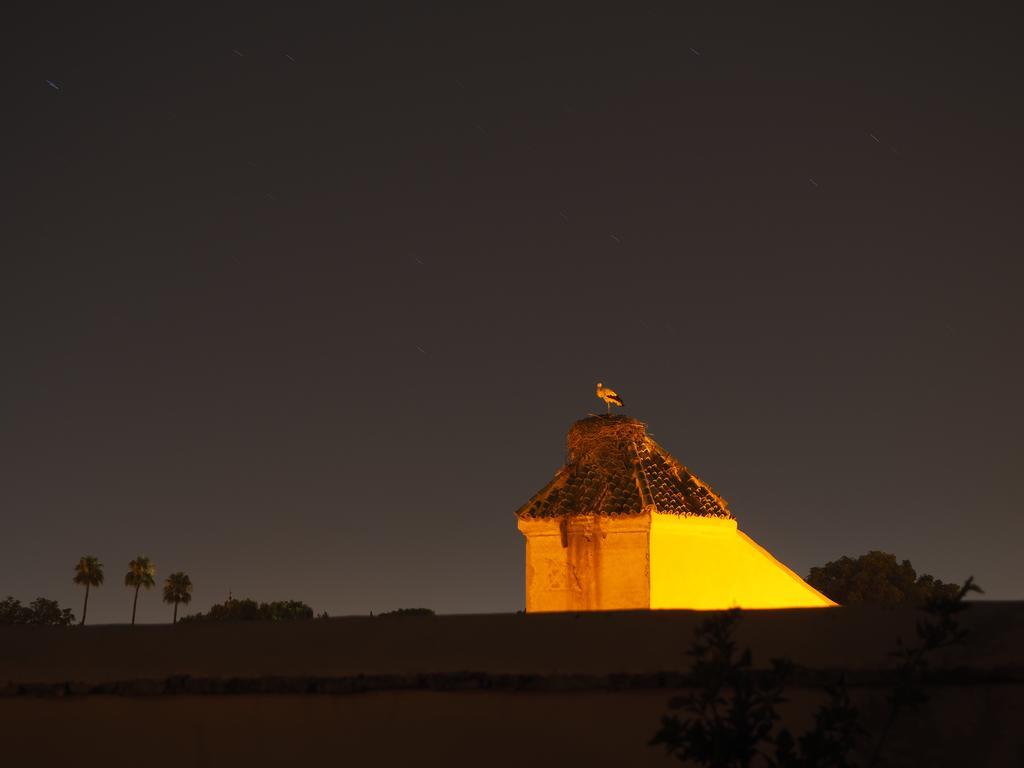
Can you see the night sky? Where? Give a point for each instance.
(303, 301)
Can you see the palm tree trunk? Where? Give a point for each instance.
(135, 602)
(85, 606)
(175, 621)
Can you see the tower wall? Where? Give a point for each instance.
(587, 563)
(598, 563)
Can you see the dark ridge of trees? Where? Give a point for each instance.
(249, 610)
(39, 611)
(877, 579)
(407, 612)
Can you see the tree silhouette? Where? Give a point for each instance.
(877, 578)
(177, 589)
(39, 611)
(728, 716)
(249, 610)
(89, 572)
(141, 573)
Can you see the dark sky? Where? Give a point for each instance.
(303, 301)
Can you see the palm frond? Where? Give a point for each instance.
(141, 573)
(88, 571)
(178, 588)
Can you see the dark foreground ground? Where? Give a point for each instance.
(500, 690)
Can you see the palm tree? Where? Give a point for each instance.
(140, 574)
(178, 589)
(88, 571)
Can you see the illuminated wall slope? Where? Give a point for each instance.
(623, 525)
(709, 564)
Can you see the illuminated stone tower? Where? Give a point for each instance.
(624, 525)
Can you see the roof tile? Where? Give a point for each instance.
(615, 468)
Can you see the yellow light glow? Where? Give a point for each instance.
(709, 564)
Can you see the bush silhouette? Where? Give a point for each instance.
(729, 717)
(39, 611)
(249, 610)
(877, 579)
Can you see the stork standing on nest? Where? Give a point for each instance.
(610, 396)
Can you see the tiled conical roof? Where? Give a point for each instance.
(614, 468)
